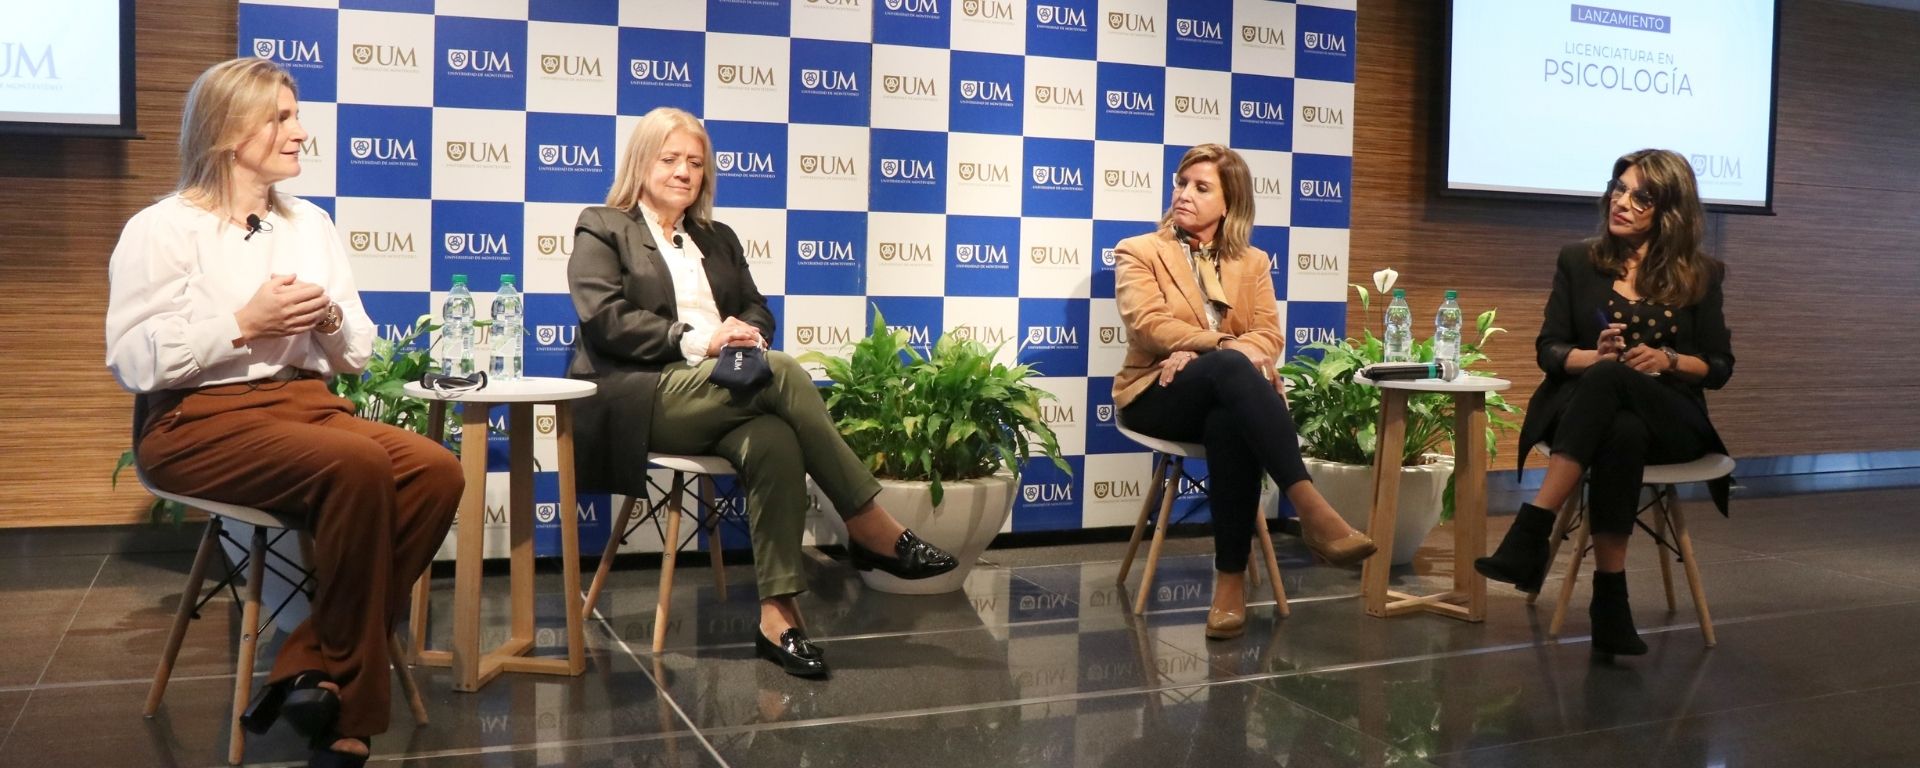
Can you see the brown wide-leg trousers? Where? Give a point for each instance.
(378, 502)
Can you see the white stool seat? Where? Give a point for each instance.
(235, 512)
(1712, 466)
(691, 464)
(1189, 450)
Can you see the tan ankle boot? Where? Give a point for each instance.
(1228, 616)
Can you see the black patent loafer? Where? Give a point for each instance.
(794, 653)
(913, 559)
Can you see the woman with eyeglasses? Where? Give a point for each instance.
(1203, 337)
(1633, 335)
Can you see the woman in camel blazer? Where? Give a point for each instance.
(1203, 337)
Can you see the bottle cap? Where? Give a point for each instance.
(506, 279)
(1451, 295)
(1399, 293)
(459, 279)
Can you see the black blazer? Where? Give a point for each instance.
(1580, 291)
(630, 329)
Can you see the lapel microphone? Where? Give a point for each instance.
(679, 240)
(255, 225)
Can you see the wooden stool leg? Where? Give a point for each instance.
(397, 655)
(1562, 525)
(1573, 574)
(1170, 490)
(1660, 512)
(209, 542)
(1146, 509)
(1273, 567)
(606, 556)
(668, 551)
(249, 641)
(709, 495)
(1693, 573)
(417, 620)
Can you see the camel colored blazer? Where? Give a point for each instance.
(1164, 312)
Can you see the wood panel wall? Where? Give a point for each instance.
(63, 420)
(1818, 300)
(1819, 295)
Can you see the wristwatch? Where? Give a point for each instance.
(329, 322)
(1673, 358)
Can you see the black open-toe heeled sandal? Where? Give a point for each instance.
(324, 756)
(310, 708)
(265, 708)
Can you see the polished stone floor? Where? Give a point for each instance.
(1816, 599)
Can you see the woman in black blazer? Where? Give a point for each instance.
(1633, 335)
(663, 291)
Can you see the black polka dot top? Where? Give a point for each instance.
(1647, 322)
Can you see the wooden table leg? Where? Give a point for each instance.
(417, 620)
(570, 538)
(1386, 496)
(470, 540)
(1470, 499)
(520, 519)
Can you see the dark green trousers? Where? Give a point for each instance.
(774, 438)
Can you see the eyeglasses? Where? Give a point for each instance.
(1637, 199)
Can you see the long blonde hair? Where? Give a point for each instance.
(1677, 269)
(643, 147)
(226, 104)
(1236, 185)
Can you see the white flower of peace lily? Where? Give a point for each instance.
(1383, 280)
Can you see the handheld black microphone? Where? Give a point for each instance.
(1444, 370)
(256, 224)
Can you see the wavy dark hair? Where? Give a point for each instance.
(1677, 269)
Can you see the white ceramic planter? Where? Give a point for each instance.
(970, 514)
(1349, 488)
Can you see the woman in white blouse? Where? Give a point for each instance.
(231, 308)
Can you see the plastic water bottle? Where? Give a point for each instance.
(456, 330)
(1446, 330)
(1399, 340)
(508, 320)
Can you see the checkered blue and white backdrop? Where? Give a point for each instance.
(964, 165)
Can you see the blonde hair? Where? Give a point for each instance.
(227, 104)
(1677, 269)
(1236, 185)
(643, 147)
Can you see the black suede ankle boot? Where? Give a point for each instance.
(1521, 558)
(1612, 617)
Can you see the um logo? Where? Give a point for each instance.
(1054, 255)
(570, 155)
(914, 6)
(1059, 95)
(915, 335)
(1112, 334)
(1047, 493)
(744, 162)
(1131, 101)
(380, 243)
(1265, 111)
(477, 152)
(381, 148)
(907, 252)
(555, 335)
(986, 90)
(288, 51)
(822, 335)
(1198, 29)
(1715, 166)
(475, 243)
(829, 80)
(1056, 176)
(1311, 335)
(1116, 489)
(1268, 186)
(659, 71)
(980, 253)
(383, 56)
(1194, 105)
(1060, 16)
(759, 251)
(18, 62)
(1317, 262)
(1120, 21)
(988, 335)
(904, 85)
(736, 74)
(1323, 41)
(906, 170)
(1104, 412)
(1052, 336)
(1258, 35)
(1323, 115)
(1108, 257)
(1054, 414)
(571, 66)
(549, 245)
(477, 60)
(827, 165)
(985, 173)
(1122, 179)
(987, 10)
(1320, 189)
(824, 250)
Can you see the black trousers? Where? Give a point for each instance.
(1221, 401)
(1618, 421)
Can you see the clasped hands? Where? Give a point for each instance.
(282, 306)
(1173, 363)
(1646, 358)
(734, 332)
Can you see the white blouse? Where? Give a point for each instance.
(180, 273)
(693, 297)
